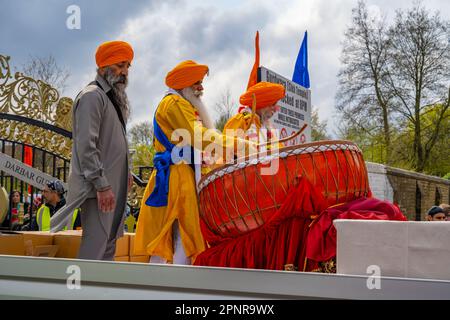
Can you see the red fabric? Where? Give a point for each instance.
(321, 243)
(277, 243)
(292, 236)
(28, 159)
(28, 156)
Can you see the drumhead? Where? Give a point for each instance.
(4, 204)
(319, 146)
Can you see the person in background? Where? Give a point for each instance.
(436, 213)
(30, 216)
(446, 209)
(53, 194)
(17, 210)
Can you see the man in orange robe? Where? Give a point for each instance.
(168, 227)
(266, 95)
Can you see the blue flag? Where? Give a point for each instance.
(301, 74)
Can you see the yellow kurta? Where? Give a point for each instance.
(243, 121)
(154, 227)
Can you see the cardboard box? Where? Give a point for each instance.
(39, 243)
(68, 244)
(71, 232)
(12, 244)
(123, 246)
(122, 258)
(43, 251)
(141, 259)
(39, 238)
(131, 235)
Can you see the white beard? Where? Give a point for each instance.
(196, 101)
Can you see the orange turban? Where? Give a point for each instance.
(112, 52)
(266, 93)
(186, 74)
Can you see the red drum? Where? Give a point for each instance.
(237, 198)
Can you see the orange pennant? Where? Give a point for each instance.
(254, 74)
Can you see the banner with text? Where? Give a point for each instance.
(24, 172)
(295, 107)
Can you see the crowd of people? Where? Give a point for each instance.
(24, 216)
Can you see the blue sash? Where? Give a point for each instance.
(162, 162)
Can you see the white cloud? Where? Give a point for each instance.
(221, 35)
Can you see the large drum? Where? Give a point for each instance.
(238, 198)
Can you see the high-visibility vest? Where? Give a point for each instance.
(43, 218)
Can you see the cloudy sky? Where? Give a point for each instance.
(217, 33)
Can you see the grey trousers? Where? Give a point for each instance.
(100, 230)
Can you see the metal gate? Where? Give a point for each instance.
(35, 128)
(35, 121)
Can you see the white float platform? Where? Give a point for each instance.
(46, 278)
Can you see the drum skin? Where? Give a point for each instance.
(238, 198)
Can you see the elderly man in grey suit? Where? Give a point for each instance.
(99, 177)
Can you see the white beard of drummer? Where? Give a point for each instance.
(194, 97)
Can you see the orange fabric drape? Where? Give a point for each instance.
(253, 79)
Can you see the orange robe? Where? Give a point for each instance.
(154, 226)
(243, 120)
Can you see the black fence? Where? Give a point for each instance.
(42, 160)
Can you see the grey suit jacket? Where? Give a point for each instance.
(99, 153)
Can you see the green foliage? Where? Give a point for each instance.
(220, 123)
(393, 92)
(318, 128)
(143, 156)
(438, 163)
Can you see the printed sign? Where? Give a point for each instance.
(295, 108)
(24, 172)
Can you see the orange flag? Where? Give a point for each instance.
(253, 79)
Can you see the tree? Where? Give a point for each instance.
(363, 98)
(419, 76)
(143, 157)
(141, 140)
(318, 128)
(392, 74)
(371, 145)
(438, 164)
(141, 134)
(47, 70)
(226, 107)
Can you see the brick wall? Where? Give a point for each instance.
(400, 186)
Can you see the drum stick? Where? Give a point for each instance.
(285, 139)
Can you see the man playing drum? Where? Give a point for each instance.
(168, 228)
(256, 123)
